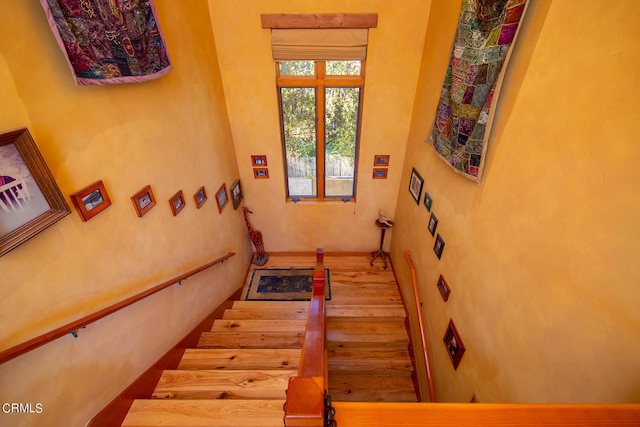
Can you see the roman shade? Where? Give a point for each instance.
(319, 44)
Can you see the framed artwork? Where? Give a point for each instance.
(91, 200)
(143, 201)
(380, 173)
(200, 197)
(428, 202)
(415, 185)
(453, 344)
(236, 194)
(381, 160)
(433, 224)
(30, 200)
(443, 287)
(258, 161)
(221, 197)
(261, 173)
(177, 203)
(438, 247)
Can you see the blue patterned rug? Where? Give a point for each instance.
(283, 284)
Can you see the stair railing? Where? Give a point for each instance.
(425, 351)
(307, 399)
(73, 327)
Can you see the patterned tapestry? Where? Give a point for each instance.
(109, 41)
(486, 30)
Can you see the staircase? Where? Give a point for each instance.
(238, 374)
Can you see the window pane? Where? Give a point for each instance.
(341, 125)
(296, 68)
(343, 68)
(299, 128)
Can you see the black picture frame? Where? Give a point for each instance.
(236, 193)
(433, 224)
(415, 185)
(428, 202)
(438, 247)
(453, 344)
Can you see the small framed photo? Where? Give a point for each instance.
(381, 160)
(221, 197)
(427, 202)
(439, 246)
(380, 173)
(177, 203)
(236, 194)
(143, 201)
(261, 173)
(415, 185)
(453, 344)
(443, 287)
(258, 161)
(433, 224)
(91, 200)
(200, 197)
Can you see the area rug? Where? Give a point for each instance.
(283, 284)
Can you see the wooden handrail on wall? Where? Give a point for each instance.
(425, 351)
(305, 396)
(71, 328)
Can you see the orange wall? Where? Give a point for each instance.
(172, 133)
(248, 75)
(542, 256)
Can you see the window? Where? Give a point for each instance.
(320, 110)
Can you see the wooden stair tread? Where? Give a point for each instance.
(259, 325)
(271, 305)
(248, 358)
(223, 384)
(366, 332)
(364, 300)
(205, 413)
(373, 388)
(370, 360)
(251, 340)
(366, 312)
(239, 313)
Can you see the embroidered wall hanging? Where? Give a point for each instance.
(486, 30)
(109, 41)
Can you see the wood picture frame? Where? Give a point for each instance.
(443, 287)
(177, 203)
(415, 185)
(261, 173)
(236, 193)
(30, 200)
(91, 200)
(453, 344)
(428, 202)
(381, 160)
(200, 197)
(221, 197)
(380, 173)
(259, 161)
(438, 247)
(143, 201)
(433, 224)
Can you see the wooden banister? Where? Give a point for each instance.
(305, 395)
(74, 326)
(425, 351)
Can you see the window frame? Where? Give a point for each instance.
(320, 81)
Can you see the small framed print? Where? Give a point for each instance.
(453, 344)
(91, 200)
(236, 194)
(438, 247)
(177, 203)
(221, 197)
(261, 173)
(381, 160)
(443, 287)
(258, 161)
(143, 201)
(427, 202)
(433, 224)
(200, 197)
(415, 185)
(380, 173)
